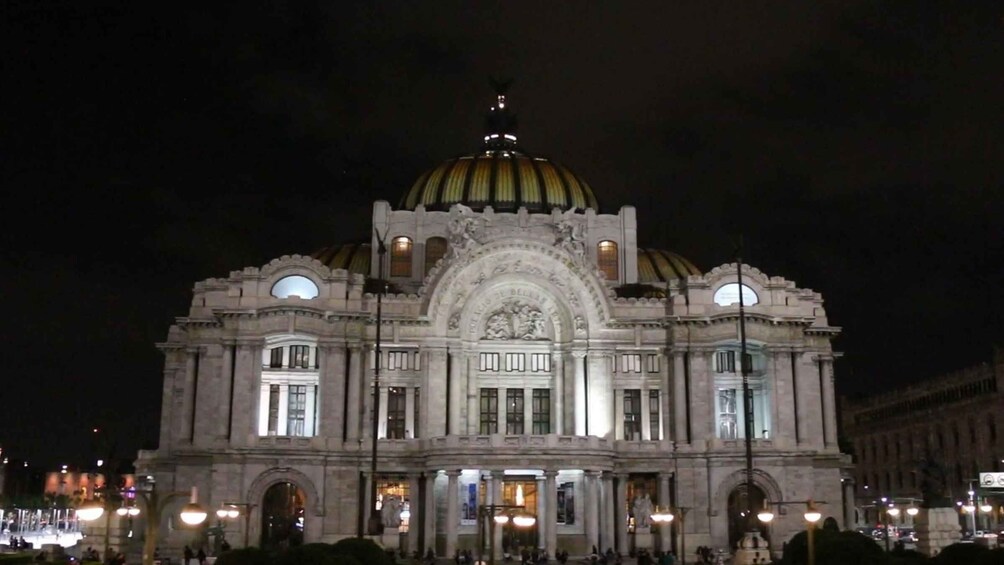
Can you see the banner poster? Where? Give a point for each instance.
(469, 504)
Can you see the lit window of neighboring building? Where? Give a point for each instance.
(435, 249)
(607, 260)
(400, 257)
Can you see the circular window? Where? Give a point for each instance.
(295, 286)
(728, 294)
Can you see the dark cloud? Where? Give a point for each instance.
(855, 145)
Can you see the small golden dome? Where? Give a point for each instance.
(657, 265)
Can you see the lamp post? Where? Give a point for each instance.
(666, 517)
(375, 523)
(498, 514)
(811, 515)
(155, 502)
(891, 513)
(232, 510)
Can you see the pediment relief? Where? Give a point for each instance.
(515, 320)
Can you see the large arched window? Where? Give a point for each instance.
(606, 259)
(400, 257)
(295, 286)
(435, 249)
(728, 294)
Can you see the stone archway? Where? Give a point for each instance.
(312, 504)
(730, 497)
(738, 521)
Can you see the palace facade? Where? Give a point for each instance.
(531, 354)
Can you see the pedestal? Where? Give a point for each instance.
(643, 539)
(751, 549)
(936, 529)
(391, 538)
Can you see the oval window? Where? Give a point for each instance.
(295, 286)
(728, 294)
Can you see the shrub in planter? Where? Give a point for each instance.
(244, 556)
(363, 551)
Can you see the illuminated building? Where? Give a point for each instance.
(530, 346)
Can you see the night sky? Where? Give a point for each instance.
(857, 146)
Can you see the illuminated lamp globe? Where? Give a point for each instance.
(913, 510)
(133, 511)
(969, 508)
(524, 521)
(122, 511)
(193, 514)
(894, 512)
(221, 513)
(986, 508)
(661, 517)
(812, 515)
(90, 510)
(233, 513)
(501, 519)
(765, 516)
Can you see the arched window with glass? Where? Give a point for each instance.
(400, 257)
(607, 259)
(435, 249)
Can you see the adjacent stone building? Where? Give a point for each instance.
(532, 354)
(954, 420)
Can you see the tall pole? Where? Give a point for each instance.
(747, 397)
(375, 524)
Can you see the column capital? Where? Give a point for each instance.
(579, 353)
(550, 474)
(355, 346)
(593, 473)
(453, 473)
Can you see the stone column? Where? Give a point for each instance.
(541, 511)
(226, 390)
(680, 402)
(496, 492)
(665, 395)
(355, 406)
(665, 530)
(848, 487)
(417, 509)
(429, 511)
(609, 513)
(244, 420)
(456, 372)
(579, 386)
(434, 395)
(473, 390)
(702, 398)
(829, 403)
(780, 393)
(646, 414)
(620, 504)
(592, 508)
(809, 401)
(409, 413)
(558, 396)
(332, 394)
(618, 413)
(452, 511)
(600, 395)
(551, 508)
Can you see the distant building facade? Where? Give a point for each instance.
(532, 354)
(955, 419)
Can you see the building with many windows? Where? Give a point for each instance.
(532, 353)
(955, 421)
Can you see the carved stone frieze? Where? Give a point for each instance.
(515, 320)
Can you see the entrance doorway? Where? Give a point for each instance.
(282, 516)
(739, 521)
(520, 492)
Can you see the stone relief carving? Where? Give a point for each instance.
(580, 325)
(454, 322)
(515, 320)
(465, 230)
(570, 235)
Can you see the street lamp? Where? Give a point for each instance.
(811, 517)
(662, 517)
(496, 514)
(666, 517)
(232, 510)
(891, 513)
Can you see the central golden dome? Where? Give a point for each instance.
(502, 179)
(501, 175)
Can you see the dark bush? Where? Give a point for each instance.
(992, 557)
(363, 551)
(908, 557)
(310, 554)
(244, 556)
(835, 548)
(960, 554)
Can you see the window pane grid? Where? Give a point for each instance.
(632, 415)
(489, 416)
(296, 410)
(541, 411)
(395, 412)
(514, 411)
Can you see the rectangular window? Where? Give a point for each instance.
(728, 424)
(275, 358)
(541, 411)
(653, 415)
(652, 363)
(725, 361)
(540, 362)
(514, 362)
(273, 410)
(395, 412)
(489, 416)
(566, 503)
(297, 411)
(299, 356)
(632, 415)
(514, 411)
(399, 360)
(489, 362)
(631, 362)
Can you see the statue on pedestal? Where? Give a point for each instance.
(642, 511)
(933, 483)
(390, 512)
